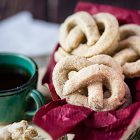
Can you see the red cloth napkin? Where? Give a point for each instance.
(59, 118)
(48, 76)
(124, 16)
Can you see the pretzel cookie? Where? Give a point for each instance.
(83, 83)
(107, 60)
(84, 35)
(128, 30)
(108, 40)
(128, 51)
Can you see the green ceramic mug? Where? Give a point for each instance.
(19, 98)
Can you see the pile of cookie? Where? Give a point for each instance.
(94, 58)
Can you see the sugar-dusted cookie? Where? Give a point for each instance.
(128, 56)
(85, 35)
(107, 60)
(18, 131)
(83, 83)
(128, 30)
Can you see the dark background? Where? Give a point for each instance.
(54, 10)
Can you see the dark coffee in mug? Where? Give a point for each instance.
(19, 98)
(13, 77)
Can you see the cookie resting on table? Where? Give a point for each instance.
(19, 131)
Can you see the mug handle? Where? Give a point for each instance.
(39, 100)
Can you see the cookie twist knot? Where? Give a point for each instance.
(82, 83)
(84, 35)
(128, 51)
